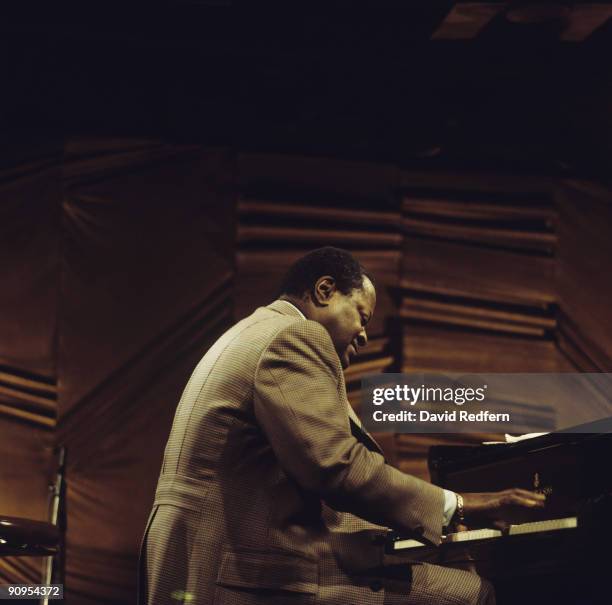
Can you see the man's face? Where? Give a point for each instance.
(346, 317)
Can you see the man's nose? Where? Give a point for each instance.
(362, 339)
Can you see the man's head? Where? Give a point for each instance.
(331, 287)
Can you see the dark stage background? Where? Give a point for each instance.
(161, 169)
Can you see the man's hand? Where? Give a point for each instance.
(500, 509)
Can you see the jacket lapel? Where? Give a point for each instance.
(364, 437)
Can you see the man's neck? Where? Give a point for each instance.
(298, 303)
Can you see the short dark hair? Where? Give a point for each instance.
(339, 264)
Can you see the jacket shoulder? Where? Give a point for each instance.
(301, 340)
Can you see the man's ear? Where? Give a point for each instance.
(323, 290)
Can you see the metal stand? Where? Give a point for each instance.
(54, 566)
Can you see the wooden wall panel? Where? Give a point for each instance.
(457, 270)
(479, 259)
(289, 206)
(489, 223)
(480, 244)
(439, 348)
(478, 314)
(477, 286)
(583, 273)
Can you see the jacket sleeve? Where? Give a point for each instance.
(298, 405)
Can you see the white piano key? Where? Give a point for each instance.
(408, 543)
(473, 534)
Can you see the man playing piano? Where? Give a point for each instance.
(271, 492)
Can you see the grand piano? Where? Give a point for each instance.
(560, 554)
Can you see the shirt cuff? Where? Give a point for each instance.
(450, 505)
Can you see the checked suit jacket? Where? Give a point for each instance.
(266, 495)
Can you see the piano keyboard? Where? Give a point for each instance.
(485, 534)
(539, 526)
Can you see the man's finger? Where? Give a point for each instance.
(529, 502)
(532, 495)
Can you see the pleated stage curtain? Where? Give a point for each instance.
(117, 275)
